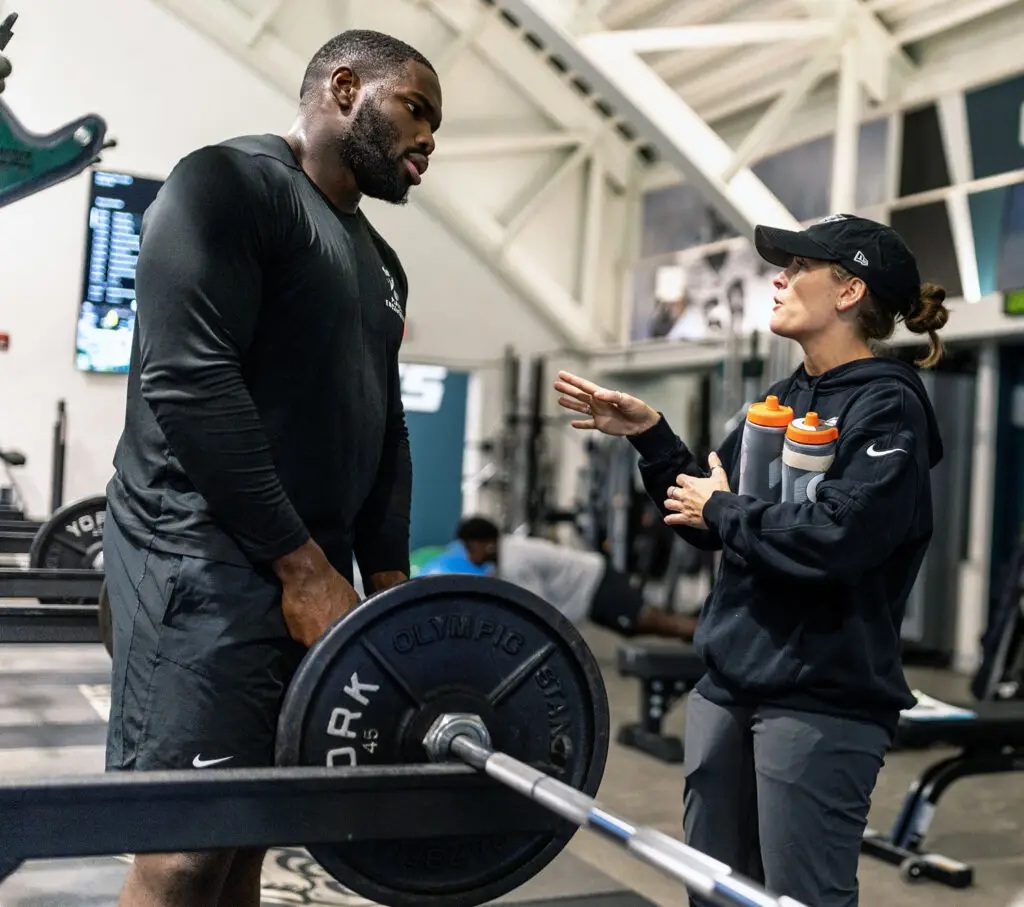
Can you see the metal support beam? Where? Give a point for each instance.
(523, 215)
(654, 40)
(952, 111)
(588, 267)
(486, 237)
(771, 124)
(847, 134)
(262, 19)
(510, 56)
(885, 63)
(950, 17)
(223, 22)
(680, 135)
(463, 41)
(632, 226)
(637, 95)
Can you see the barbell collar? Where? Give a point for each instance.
(706, 876)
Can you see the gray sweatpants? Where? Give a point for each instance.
(781, 796)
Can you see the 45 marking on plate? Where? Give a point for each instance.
(342, 719)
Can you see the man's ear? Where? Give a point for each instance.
(345, 87)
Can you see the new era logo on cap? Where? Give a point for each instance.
(872, 251)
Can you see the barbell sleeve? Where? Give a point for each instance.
(709, 878)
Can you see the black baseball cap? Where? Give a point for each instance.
(874, 252)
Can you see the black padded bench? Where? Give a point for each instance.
(667, 672)
(990, 740)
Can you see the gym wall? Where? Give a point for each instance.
(165, 90)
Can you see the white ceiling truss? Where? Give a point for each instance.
(558, 113)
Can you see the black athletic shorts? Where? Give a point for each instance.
(617, 603)
(201, 663)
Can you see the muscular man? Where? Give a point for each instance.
(265, 443)
(580, 584)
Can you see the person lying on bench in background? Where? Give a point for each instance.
(580, 584)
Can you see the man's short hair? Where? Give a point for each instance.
(477, 529)
(371, 55)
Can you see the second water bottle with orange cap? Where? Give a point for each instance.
(764, 435)
(809, 451)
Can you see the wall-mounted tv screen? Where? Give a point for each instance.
(106, 314)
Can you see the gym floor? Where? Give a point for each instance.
(52, 713)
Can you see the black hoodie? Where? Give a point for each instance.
(807, 606)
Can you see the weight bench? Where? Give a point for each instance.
(667, 672)
(990, 740)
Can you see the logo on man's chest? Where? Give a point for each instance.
(391, 295)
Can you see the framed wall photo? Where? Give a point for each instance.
(696, 295)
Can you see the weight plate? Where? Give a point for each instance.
(369, 689)
(71, 539)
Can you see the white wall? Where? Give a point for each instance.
(165, 90)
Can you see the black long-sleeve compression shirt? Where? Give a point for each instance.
(264, 401)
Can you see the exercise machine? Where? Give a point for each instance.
(31, 162)
(988, 736)
(17, 531)
(666, 672)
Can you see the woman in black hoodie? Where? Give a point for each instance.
(800, 635)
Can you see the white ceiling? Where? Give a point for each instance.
(540, 168)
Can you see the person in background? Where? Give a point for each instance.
(800, 635)
(455, 559)
(580, 584)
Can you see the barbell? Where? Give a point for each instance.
(438, 747)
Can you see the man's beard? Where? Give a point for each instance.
(368, 149)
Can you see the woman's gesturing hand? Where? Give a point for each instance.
(607, 411)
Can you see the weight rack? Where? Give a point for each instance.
(266, 807)
(56, 597)
(49, 620)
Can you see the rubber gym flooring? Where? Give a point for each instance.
(53, 701)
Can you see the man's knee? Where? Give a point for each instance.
(170, 879)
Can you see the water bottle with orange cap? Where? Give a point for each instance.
(809, 451)
(764, 434)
